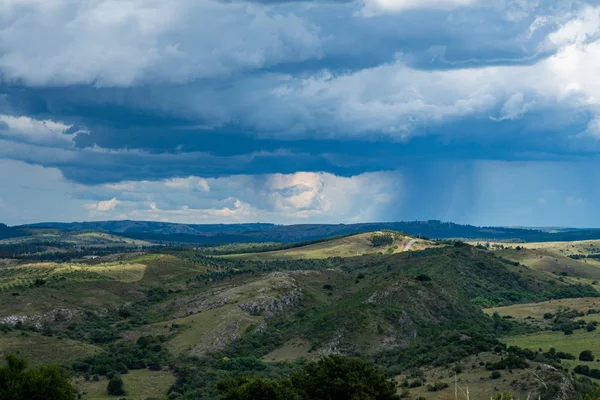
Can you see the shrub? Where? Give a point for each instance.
(495, 375)
(332, 377)
(586, 355)
(17, 382)
(582, 369)
(436, 386)
(115, 386)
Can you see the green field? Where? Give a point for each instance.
(537, 310)
(38, 349)
(574, 344)
(139, 385)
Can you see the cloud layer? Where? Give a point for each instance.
(295, 111)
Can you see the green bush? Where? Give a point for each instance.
(17, 382)
(586, 355)
(330, 378)
(115, 387)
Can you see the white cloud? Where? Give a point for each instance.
(123, 43)
(394, 99)
(284, 198)
(189, 183)
(106, 205)
(34, 131)
(374, 7)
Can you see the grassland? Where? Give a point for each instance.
(474, 378)
(537, 310)
(574, 344)
(76, 238)
(291, 350)
(581, 247)
(39, 350)
(350, 246)
(139, 385)
(268, 311)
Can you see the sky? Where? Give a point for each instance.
(300, 111)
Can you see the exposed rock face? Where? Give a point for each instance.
(554, 385)
(55, 316)
(334, 346)
(239, 307)
(269, 304)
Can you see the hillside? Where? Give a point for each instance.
(349, 246)
(409, 309)
(56, 244)
(572, 261)
(8, 232)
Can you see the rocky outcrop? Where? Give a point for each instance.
(52, 317)
(287, 295)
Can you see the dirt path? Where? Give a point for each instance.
(409, 245)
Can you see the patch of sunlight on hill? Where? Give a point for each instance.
(350, 246)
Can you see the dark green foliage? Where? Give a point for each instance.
(330, 378)
(423, 278)
(435, 387)
(255, 389)
(587, 371)
(382, 239)
(115, 387)
(121, 357)
(586, 355)
(512, 361)
(582, 369)
(17, 382)
(336, 377)
(495, 375)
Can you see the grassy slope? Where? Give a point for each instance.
(139, 385)
(476, 379)
(39, 350)
(554, 262)
(537, 310)
(372, 303)
(351, 246)
(75, 238)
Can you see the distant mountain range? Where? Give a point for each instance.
(214, 234)
(7, 232)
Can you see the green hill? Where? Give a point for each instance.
(200, 319)
(348, 246)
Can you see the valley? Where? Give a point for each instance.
(174, 320)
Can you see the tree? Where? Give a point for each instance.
(586, 355)
(331, 378)
(254, 389)
(17, 382)
(115, 386)
(343, 378)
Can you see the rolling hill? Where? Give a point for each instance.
(174, 316)
(217, 234)
(7, 232)
(348, 246)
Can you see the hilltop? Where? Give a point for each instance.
(347, 246)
